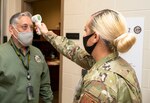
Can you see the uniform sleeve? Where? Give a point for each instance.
(45, 88)
(70, 50)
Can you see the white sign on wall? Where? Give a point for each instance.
(135, 55)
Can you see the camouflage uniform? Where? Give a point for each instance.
(110, 80)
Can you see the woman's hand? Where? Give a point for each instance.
(42, 27)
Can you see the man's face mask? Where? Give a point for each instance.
(25, 38)
(89, 49)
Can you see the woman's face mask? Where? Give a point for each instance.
(25, 38)
(89, 49)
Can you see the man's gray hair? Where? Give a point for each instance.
(15, 17)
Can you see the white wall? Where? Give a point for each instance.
(75, 14)
(12, 6)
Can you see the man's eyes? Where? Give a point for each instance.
(25, 27)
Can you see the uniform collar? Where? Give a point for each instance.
(18, 49)
(108, 58)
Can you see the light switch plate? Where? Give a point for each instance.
(72, 36)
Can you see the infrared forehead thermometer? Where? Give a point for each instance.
(37, 19)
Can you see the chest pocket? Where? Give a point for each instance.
(10, 71)
(6, 78)
(36, 65)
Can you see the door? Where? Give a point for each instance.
(50, 13)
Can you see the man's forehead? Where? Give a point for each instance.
(25, 20)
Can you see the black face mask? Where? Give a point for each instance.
(89, 49)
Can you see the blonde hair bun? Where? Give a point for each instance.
(124, 42)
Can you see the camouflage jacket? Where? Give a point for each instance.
(110, 80)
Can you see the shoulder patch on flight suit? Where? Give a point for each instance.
(96, 92)
(88, 98)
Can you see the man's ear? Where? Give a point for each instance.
(11, 29)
